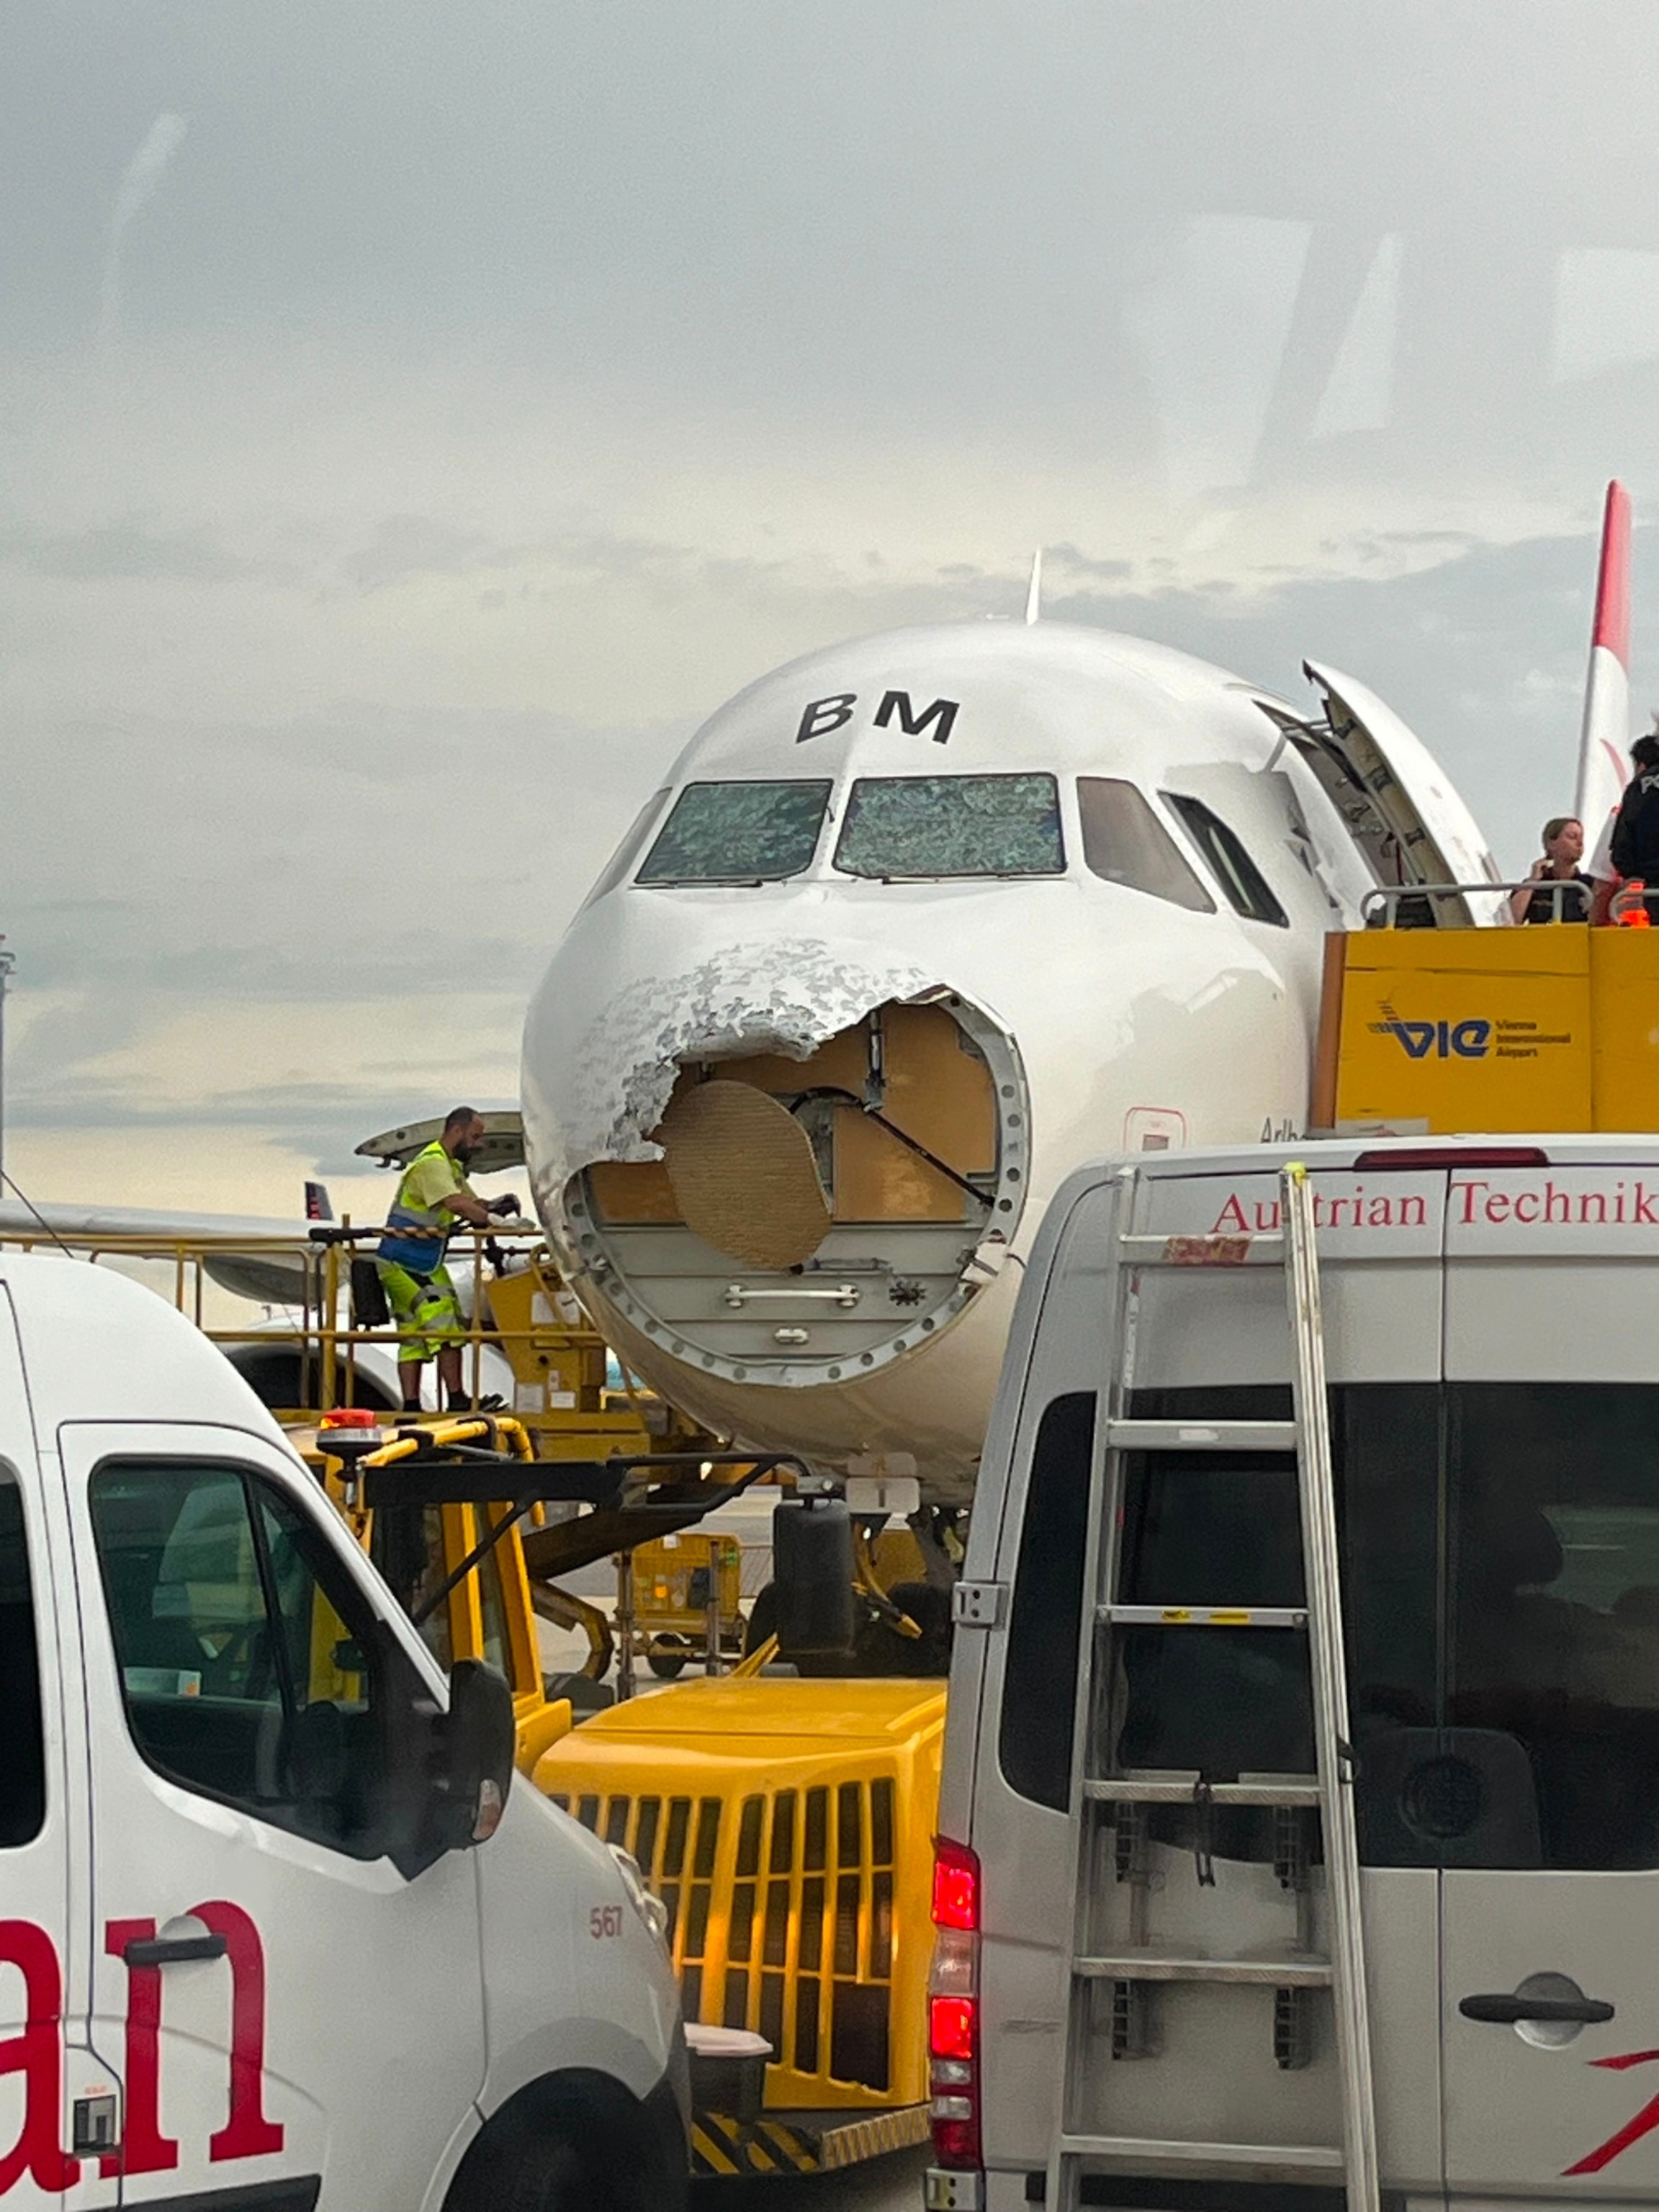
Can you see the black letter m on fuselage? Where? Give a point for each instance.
(943, 711)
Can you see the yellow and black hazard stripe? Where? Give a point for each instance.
(723, 2146)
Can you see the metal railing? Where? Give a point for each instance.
(311, 1315)
(1380, 909)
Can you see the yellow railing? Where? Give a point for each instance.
(557, 1362)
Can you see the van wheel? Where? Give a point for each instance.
(546, 2173)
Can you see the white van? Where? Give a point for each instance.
(247, 1957)
(1492, 1333)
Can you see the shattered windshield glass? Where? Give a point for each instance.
(952, 825)
(725, 833)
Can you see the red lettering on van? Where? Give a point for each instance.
(1466, 1191)
(247, 2132)
(144, 2148)
(38, 2055)
(1644, 2123)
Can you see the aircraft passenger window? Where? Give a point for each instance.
(22, 1741)
(727, 833)
(907, 826)
(1039, 1686)
(1124, 843)
(1236, 872)
(251, 1670)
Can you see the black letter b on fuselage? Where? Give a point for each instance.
(822, 715)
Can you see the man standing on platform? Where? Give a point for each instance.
(433, 1196)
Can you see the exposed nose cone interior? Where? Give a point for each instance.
(743, 1175)
(814, 1218)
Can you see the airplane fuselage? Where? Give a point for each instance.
(964, 907)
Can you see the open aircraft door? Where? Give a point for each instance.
(1400, 807)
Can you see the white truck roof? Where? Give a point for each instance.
(1501, 1257)
(98, 1347)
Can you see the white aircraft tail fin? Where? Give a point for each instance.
(1034, 589)
(1605, 740)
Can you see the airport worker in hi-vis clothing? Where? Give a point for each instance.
(432, 1197)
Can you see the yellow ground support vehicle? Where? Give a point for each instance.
(680, 1599)
(788, 1826)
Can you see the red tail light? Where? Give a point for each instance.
(953, 2027)
(953, 2007)
(956, 1886)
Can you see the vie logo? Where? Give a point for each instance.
(38, 2053)
(1470, 1040)
(820, 716)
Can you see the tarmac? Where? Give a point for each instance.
(884, 2185)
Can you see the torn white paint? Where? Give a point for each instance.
(788, 996)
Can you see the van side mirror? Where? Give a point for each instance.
(813, 1568)
(474, 1746)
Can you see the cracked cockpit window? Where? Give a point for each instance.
(952, 825)
(727, 833)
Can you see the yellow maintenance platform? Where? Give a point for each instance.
(1453, 1030)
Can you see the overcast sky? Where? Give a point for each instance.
(414, 419)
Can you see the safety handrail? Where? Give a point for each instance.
(1386, 899)
(317, 1322)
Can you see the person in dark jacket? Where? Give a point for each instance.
(1634, 851)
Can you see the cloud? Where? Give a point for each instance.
(127, 549)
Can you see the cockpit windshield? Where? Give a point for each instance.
(952, 825)
(738, 832)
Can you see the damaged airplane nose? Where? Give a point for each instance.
(791, 1186)
(901, 906)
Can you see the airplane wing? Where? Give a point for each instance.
(271, 1275)
(274, 1275)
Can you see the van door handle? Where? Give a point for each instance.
(1504, 2011)
(172, 1950)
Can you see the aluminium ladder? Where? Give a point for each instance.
(1352, 2164)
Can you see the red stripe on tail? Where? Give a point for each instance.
(1612, 584)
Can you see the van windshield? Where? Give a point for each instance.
(899, 826)
(725, 833)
